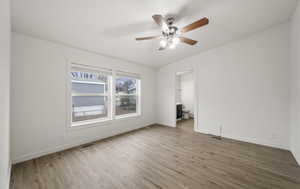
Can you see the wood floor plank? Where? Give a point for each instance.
(160, 158)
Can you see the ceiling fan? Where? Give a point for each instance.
(171, 35)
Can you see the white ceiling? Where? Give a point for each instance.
(109, 27)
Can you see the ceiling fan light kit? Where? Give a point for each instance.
(171, 35)
(169, 42)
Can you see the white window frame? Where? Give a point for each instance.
(85, 68)
(105, 94)
(138, 97)
(111, 94)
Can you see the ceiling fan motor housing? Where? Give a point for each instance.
(171, 32)
(170, 21)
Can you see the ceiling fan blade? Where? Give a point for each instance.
(187, 41)
(147, 38)
(195, 25)
(159, 19)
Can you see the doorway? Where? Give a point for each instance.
(185, 100)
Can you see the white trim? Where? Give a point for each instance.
(184, 72)
(195, 81)
(296, 155)
(196, 98)
(90, 94)
(68, 124)
(128, 74)
(138, 99)
(91, 68)
(6, 177)
(71, 94)
(127, 116)
(111, 94)
(88, 82)
(90, 122)
(251, 140)
(175, 102)
(7, 182)
(126, 94)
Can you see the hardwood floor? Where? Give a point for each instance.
(186, 125)
(160, 157)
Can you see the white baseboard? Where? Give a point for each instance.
(9, 174)
(34, 155)
(5, 185)
(253, 141)
(244, 139)
(6, 182)
(59, 148)
(296, 155)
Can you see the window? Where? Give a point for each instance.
(91, 94)
(127, 98)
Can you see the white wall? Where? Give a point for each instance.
(243, 86)
(178, 88)
(295, 85)
(166, 92)
(4, 93)
(39, 111)
(187, 91)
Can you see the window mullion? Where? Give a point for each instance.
(88, 82)
(113, 96)
(89, 94)
(126, 94)
(138, 98)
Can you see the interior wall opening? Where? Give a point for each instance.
(185, 100)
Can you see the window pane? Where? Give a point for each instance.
(89, 107)
(125, 105)
(95, 82)
(88, 87)
(88, 76)
(125, 85)
(86, 83)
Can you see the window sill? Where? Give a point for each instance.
(128, 116)
(102, 122)
(88, 124)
